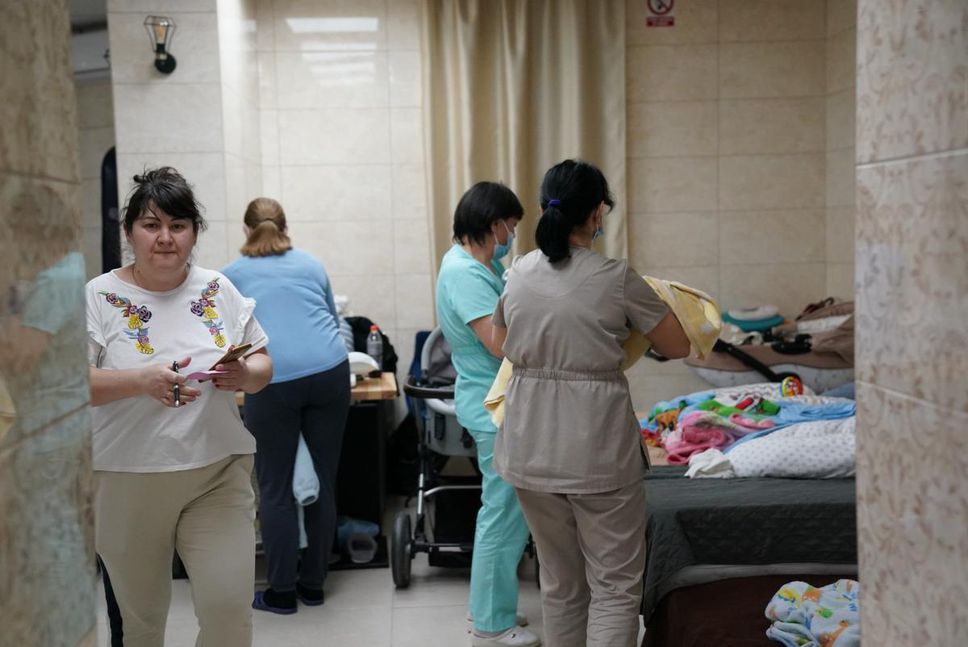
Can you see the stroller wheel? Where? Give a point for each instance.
(401, 555)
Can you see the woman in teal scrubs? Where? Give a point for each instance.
(468, 287)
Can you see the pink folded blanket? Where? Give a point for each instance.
(686, 441)
(702, 430)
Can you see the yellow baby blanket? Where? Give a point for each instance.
(696, 311)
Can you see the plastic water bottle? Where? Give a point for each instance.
(374, 345)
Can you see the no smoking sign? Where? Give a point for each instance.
(660, 13)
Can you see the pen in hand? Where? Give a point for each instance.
(175, 390)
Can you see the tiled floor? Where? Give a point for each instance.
(363, 609)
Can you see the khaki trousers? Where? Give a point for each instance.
(208, 515)
(591, 548)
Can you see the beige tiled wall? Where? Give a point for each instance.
(912, 305)
(728, 156)
(95, 123)
(840, 146)
(47, 579)
(240, 123)
(316, 104)
(341, 119)
(185, 119)
(203, 119)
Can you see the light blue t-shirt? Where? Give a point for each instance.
(53, 303)
(467, 290)
(294, 305)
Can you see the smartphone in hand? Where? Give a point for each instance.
(232, 355)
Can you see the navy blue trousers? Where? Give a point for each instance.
(316, 405)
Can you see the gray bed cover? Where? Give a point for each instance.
(743, 522)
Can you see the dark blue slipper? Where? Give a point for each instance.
(259, 602)
(309, 597)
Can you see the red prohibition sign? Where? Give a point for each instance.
(661, 7)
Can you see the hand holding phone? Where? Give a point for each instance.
(231, 355)
(234, 370)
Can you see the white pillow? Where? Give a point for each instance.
(815, 449)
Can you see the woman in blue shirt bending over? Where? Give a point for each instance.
(468, 287)
(309, 393)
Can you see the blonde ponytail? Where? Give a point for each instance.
(267, 229)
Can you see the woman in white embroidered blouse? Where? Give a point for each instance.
(172, 459)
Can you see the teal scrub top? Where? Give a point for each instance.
(467, 290)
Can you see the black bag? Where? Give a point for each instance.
(750, 361)
(361, 329)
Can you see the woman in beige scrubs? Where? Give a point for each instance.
(570, 443)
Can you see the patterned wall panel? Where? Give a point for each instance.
(47, 592)
(912, 309)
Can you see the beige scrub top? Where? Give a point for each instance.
(569, 426)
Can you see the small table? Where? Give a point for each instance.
(361, 484)
(376, 388)
(367, 390)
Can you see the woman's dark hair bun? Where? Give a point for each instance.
(166, 189)
(570, 192)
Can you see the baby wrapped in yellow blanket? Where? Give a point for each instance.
(695, 310)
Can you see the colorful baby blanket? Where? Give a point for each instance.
(805, 616)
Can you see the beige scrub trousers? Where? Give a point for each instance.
(208, 515)
(570, 443)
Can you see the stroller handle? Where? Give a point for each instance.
(427, 392)
(443, 407)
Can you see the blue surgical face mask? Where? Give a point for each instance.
(501, 249)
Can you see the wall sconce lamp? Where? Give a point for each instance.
(160, 30)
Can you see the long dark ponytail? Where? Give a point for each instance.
(570, 192)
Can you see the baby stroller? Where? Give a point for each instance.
(446, 505)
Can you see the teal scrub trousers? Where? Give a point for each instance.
(499, 541)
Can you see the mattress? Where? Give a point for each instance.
(702, 530)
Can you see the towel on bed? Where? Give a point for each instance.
(710, 464)
(794, 412)
(702, 424)
(702, 430)
(696, 311)
(765, 390)
(821, 449)
(805, 616)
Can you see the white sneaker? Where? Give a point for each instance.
(513, 637)
(520, 619)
